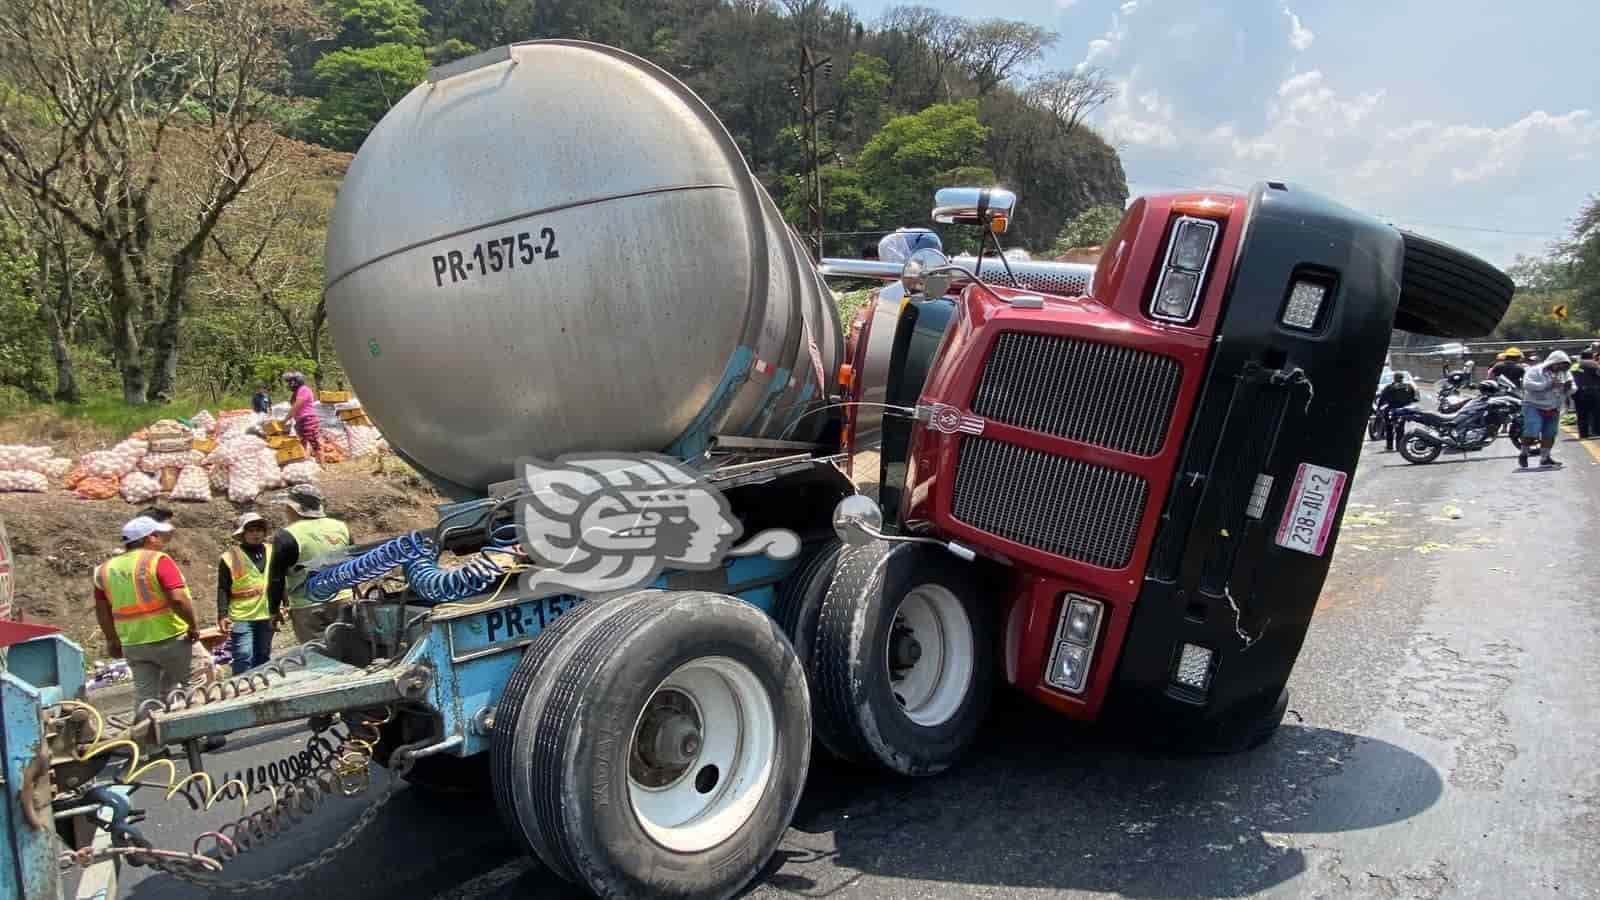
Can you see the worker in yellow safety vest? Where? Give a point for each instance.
(146, 613)
(242, 605)
(310, 534)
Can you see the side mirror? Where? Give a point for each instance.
(991, 207)
(915, 277)
(857, 520)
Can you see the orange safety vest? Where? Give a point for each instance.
(140, 608)
(247, 597)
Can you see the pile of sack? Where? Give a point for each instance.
(24, 468)
(226, 454)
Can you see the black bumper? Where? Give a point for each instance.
(1274, 397)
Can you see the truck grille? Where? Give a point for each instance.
(1113, 397)
(1065, 507)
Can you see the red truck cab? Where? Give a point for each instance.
(1151, 469)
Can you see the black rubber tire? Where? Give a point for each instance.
(574, 740)
(532, 679)
(1419, 457)
(856, 712)
(1446, 292)
(800, 596)
(798, 608)
(1374, 429)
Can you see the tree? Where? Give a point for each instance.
(361, 84)
(367, 23)
(157, 125)
(1068, 95)
(991, 50)
(22, 340)
(865, 90)
(273, 256)
(913, 155)
(1090, 228)
(1583, 256)
(938, 41)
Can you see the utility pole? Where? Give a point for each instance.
(807, 92)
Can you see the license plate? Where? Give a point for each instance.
(504, 628)
(1308, 517)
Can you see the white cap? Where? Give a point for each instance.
(142, 527)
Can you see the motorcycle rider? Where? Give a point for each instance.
(1510, 365)
(1545, 388)
(1396, 394)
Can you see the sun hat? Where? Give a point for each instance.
(246, 520)
(304, 499)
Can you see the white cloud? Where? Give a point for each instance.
(1066, 4)
(1299, 82)
(1475, 153)
(1300, 37)
(1140, 118)
(1106, 46)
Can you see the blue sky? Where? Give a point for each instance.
(1474, 121)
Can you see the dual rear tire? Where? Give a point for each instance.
(654, 745)
(899, 650)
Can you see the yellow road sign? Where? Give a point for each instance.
(1560, 311)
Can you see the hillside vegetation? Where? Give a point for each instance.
(166, 171)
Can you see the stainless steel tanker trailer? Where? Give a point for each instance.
(690, 545)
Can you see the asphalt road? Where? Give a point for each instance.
(1441, 743)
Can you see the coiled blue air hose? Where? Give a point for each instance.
(417, 555)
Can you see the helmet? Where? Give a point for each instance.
(1512, 353)
(1488, 387)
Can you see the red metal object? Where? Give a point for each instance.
(14, 632)
(1123, 281)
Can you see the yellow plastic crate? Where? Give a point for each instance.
(273, 426)
(289, 453)
(334, 396)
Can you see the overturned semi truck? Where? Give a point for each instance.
(564, 298)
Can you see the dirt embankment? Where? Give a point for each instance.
(59, 538)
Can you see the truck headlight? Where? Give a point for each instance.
(1183, 271)
(1076, 636)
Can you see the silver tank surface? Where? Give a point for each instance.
(556, 247)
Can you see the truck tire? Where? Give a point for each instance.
(534, 676)
(667, 754)
(903, 662)
(798, 608)
(1446, 292)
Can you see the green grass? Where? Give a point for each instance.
(108, 411)
(849, 302)
(106, 414)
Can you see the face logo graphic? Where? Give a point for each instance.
(602, 525)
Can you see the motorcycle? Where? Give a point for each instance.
(1449, 390)
(1379, 423)
(1474, 426)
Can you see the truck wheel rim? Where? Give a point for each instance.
(929, 655)
(703, 752)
